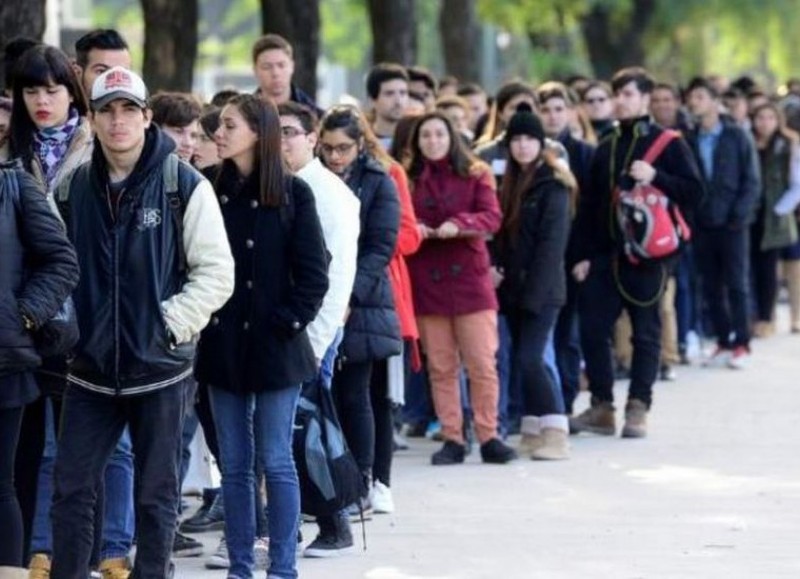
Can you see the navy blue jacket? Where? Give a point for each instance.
(38, 269)
(257, 341)
(733, 191)
(372, 331)
(131, 264)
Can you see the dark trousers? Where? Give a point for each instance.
(764, 264)
(384, 423)
(91, 426)
(722, 257)
(10, 515)
(529, 335)
(601, 303)
(567, 343)
(350, 390)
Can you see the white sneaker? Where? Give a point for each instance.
(381, 498)
(261, 553)
(219, 560)
(739, 358)
(719, 358)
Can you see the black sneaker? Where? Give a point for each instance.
(333, 542)
(206, 519)
(184, 546)
(495, 451)
(450, 453)
(417, 430)
(667, 373)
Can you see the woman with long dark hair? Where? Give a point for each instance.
(774, 233)
(537, 195)
(255, 353)
(457, 209)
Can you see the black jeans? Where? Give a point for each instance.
(764, 265)
(90, 427)
(722, 255)
(384, 423)
(567, 343)
(10, 515)
(529, 335)
(350, 390)
(601, 303)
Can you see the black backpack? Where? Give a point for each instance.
(330, 479)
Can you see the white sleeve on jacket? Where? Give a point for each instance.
(209, 263)
(340, 226)
(791, 198)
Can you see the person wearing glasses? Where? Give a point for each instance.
(599, 107)
(372, 330)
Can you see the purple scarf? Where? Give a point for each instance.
(52, 144)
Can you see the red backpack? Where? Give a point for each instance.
(652, 226)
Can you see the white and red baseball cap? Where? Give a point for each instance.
(118, 83)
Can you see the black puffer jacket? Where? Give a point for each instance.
(38, 268)
(372, 331)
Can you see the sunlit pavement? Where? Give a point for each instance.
(713, 492)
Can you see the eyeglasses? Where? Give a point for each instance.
(291, 132)
(596, 100)
(340, 150)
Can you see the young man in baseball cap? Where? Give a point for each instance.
(155, 264)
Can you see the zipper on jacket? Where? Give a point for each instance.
(115, 273)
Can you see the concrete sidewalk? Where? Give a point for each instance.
(713, 492)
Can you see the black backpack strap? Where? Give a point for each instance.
(176, 205)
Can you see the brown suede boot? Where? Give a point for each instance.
(115, 569)
(597, 419)
(635, 419)
(39, 567)
(555, 445)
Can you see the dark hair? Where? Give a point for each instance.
(555, 90)
(507, 92)
(5, 104)
(415, 96)
(221, 98)
(401, 143)
(633, 74)
(422, 74)
(733, 93)
(676, 93)
(470, 89)
(41, 65)
(11, 53)
(448, 102)
(702, 83)
(783, 130)
(99, 39)
(175, 109)
(381, 73)
(261, 115)
(744, 83)
(209, 120)
(602, 85)
(462, 160)
(352, 121)
(308, 118)
(272, 42)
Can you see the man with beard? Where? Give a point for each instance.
(387, 88)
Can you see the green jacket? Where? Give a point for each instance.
(779, 230)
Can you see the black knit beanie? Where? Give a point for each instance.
(524, 122)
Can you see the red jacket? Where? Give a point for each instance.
(451, 277)
(408, 242)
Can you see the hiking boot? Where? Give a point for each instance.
(597, 419)
(184, 546)
(39, 567)
(220, 559)
(554, 445)
(332, 542)
(381, 498)
(450, 453)
(207, 518)
(739, 358)
(115, 568)
(635, 419)
(495, 451)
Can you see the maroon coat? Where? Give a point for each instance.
(451, 277)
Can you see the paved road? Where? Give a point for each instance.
(714, 492)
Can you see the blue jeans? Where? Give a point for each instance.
(262, 422)
(119, 523)
(326, 366)
(42, 531)
(91, 426)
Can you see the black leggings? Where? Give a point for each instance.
(384, 423)
(10, 514)
(350, 390)
(765, 281)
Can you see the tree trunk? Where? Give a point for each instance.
(298, 22)
(394, 31)
(170, 44)
(20, 18)
(611, 46)
(461, 39)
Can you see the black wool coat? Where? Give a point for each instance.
(257, 341)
